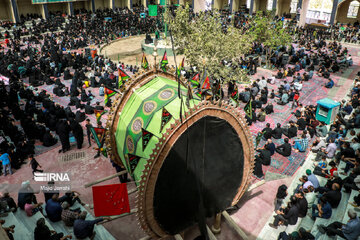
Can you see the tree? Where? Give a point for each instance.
(271, 34)
(206, 42)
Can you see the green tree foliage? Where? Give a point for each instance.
(269, 33)
(205, 43)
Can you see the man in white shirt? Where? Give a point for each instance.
(262, 83)
(298, 86)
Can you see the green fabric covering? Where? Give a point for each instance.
(152, 10)
(144, 110)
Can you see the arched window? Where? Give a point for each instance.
(293, 6)
(353, 9)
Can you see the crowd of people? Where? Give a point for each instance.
(310, 57)
(43, 55)
(331, 146)
(56, 209)
(31, 116)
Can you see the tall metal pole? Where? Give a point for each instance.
(333, 12)
(164, 12)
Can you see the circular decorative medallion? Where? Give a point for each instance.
(149, 107)
(166, 94)
(130, 144)
(136, 125)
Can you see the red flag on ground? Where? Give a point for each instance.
(110, 200)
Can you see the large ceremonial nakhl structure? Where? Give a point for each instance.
(190, 158)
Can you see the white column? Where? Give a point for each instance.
(303, 11)
(199, 5)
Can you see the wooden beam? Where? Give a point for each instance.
(178, 237)
(216, 227)
(232, 224)
(132, 191)
(255, 185)
(210, 233)
(145, 238)
(105, 179)
(132, 211)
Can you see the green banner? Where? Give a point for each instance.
(162, 2)
(152, 10)
(92, 130)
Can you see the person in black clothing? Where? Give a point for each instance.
(291, 131)
(328, 186)
(98, 106)
(271, 146)
(345, 152)
(349, 182)
(88, 132)
(49, 193)
(284, 149)
(277, 132)
(80, 116)
(48, 139)
(78, 104)
(63, 130)
(287, 216)
(302, 204)
(264, 158)
(88, 108)
(67, 75)
(302, 234)
(9, 200)
(34, 164)
(267, 132)
(301, 123)
(269, 109)
(334, 195)
(84, 97)
(43, 232)
(264, 155)
(78, 132)
(71, 197)
(280, 196)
